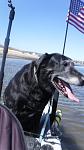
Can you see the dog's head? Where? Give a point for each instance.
(58, 71)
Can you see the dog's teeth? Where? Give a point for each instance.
(60, 84)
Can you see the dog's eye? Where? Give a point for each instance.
(65, 64)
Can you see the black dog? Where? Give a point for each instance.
(34, 85)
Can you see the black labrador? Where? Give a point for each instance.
(34, 85)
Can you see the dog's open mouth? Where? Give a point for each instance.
(64, 88)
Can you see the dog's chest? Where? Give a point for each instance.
(39, 98)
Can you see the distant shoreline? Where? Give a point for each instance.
(20, 54)
(18, 57)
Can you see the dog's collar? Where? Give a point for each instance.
(35, 74)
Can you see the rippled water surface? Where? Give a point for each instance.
(72, 126)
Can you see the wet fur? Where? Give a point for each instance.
(30, 89)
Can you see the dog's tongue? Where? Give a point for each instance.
(71, 95)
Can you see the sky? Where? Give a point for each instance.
(39, 26)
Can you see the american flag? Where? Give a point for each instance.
(76, 14)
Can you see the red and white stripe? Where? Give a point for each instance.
(77, 21)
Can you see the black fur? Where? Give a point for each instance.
(31, 88)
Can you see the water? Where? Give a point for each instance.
(72, 126)
(73, 119)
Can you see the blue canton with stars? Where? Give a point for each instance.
(75, 6)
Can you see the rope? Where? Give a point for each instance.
(6, 43)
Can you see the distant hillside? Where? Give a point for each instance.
(15, 53)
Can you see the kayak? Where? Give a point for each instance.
(48, 143)
(46, 140)
(51, 139)
(51, 143)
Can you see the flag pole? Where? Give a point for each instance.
(66, 32)
(65, 37)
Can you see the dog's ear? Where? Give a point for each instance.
(41, 60)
